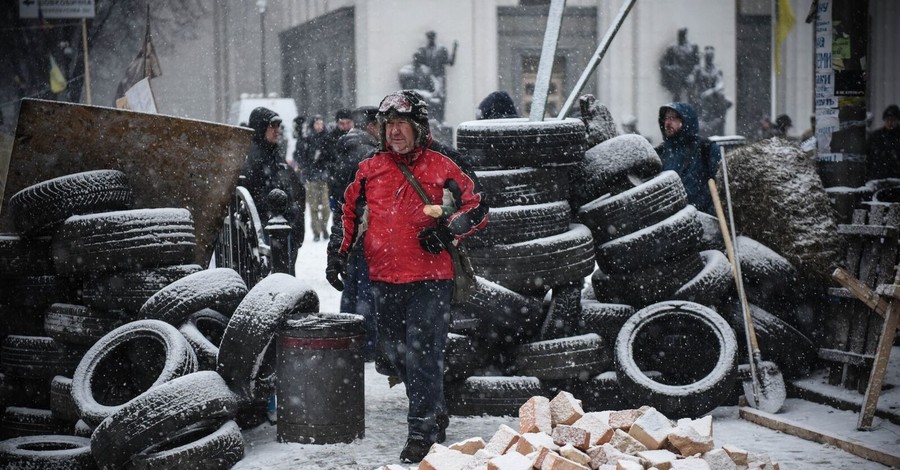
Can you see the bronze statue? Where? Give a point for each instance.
(677, 64)
(427, 74)
(707, 94)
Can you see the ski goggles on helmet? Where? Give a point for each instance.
(397, 102)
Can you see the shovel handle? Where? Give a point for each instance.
(729, 250)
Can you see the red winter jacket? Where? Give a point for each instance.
(395, 218)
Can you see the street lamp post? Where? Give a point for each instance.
(261, 6)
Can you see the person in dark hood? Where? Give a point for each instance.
(497, 105)
(265, 169)
(694, 158)
(405, 247)
(315, 167)
(883, 147)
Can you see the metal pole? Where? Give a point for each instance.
(545, 66)
(773, 82)
(87, 62)
(598, 56)
(262, 52)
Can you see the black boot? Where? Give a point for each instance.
(415, 450)
(443, 421)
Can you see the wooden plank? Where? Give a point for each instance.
(859, 216)
(853, 446)
(868, 231)
(889, 290)
(860, 291)
(876, 378)
(845, 357)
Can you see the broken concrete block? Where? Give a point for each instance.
(689, 442)
(534, 416)
(598, 425)
(738, 455)
(564, 434)
(661, 459)
(538, 456)
(479, 460)
(555, 461)
(532, 441)
(469, 446)
(628, 465)
(690, 463)
(626, 443)
(623, 419)
(503, 439)
(718, 459)
(606, 454)
(445, 460)
(437, 448)
(570, 452)
(565, 409)
(651, 429)
(510, 461)
(703, 425)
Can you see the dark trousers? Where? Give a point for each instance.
(357, 297)
(413, 320)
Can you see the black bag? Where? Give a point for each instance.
(463, 272)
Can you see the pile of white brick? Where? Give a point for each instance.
(558, 435)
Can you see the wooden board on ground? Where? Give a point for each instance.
(170, 162)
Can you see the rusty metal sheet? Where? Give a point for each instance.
(170, 162)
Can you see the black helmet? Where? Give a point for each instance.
(405, 104)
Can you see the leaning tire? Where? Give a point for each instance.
(669, 238)
(706, 385)
(712, 285)
(201, 447)
(43, 206)
(219, 289)
(47, 452)
(611, 166)
(162, 414)
(127, 362)
(204, 331)
(520, 143)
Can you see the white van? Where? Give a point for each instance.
(285, 107)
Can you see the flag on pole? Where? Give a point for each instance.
(57, 79)
(144, 65)
(783, 27)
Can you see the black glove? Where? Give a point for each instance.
(435, 239)
(335, 271)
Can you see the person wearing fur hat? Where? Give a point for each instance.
(883, 147)
(265, 169)
(405, 247)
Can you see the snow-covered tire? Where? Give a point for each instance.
(639, 207)
(464, 356)
(41, 207)
(37, 357)
(61, 402)
(778, 341)
(206, 447)
(762, 268)
(58, 452)
(129, 290)
(521, 223)
(82, 429)
(520, 143)
(36, 293)
(524, 186)
(564, 358)
(19, 421)
(107, 378)
(712, 285)
(537, 265)
(160, 415)
(204, 331)
(501, 314)
(124, 240)
(564, 312)
(713, 359)
(611, 166)
(649, 284)
(677, 234)
(21, 256)
(77, 324)
(243, 360)
(492, 396)
(712, 233)
(219, 289)
(604, 319)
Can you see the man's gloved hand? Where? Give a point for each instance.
(435, 239)
(335, 270)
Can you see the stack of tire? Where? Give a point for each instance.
(504, 349)
(112, 337)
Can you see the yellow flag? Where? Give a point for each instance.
(784, 26)
(57, 79)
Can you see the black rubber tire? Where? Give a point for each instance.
(764, 270)
(77, 324)
(162, 414)
(82, 429)
(612, 166)
(712, 233)
(675, 235)
(127, 362)
(522, 223)
(129, 290)
(242, 359)
(492, 396)
(124, 240)
(57, 452)
(779, 342)
(520, 143)
(40, 208)
(204, 331)
(677, 400)
(564, 312)
(202, 447)
(501, 315)
(61, 402)
(36, 293)
(604, 319)
(535, 266)
(24, 256)
(219, 289)
(464, 356)
(639, 207)
(37, 357)
(647, 285)
(19, 422)
(712, 285)
(574, 357)
(525, 186)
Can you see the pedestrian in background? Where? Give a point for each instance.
(684, 151)
(497, 105)
(883, 147)
(343, 123)
(315, 163)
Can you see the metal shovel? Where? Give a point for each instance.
(765, 390)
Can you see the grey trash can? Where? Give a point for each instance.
(320, 384)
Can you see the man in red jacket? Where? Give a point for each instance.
(410, 269)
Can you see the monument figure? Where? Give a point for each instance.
(707, 94)
(427, 74)
(677, 63)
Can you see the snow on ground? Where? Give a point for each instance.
(386, 419)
